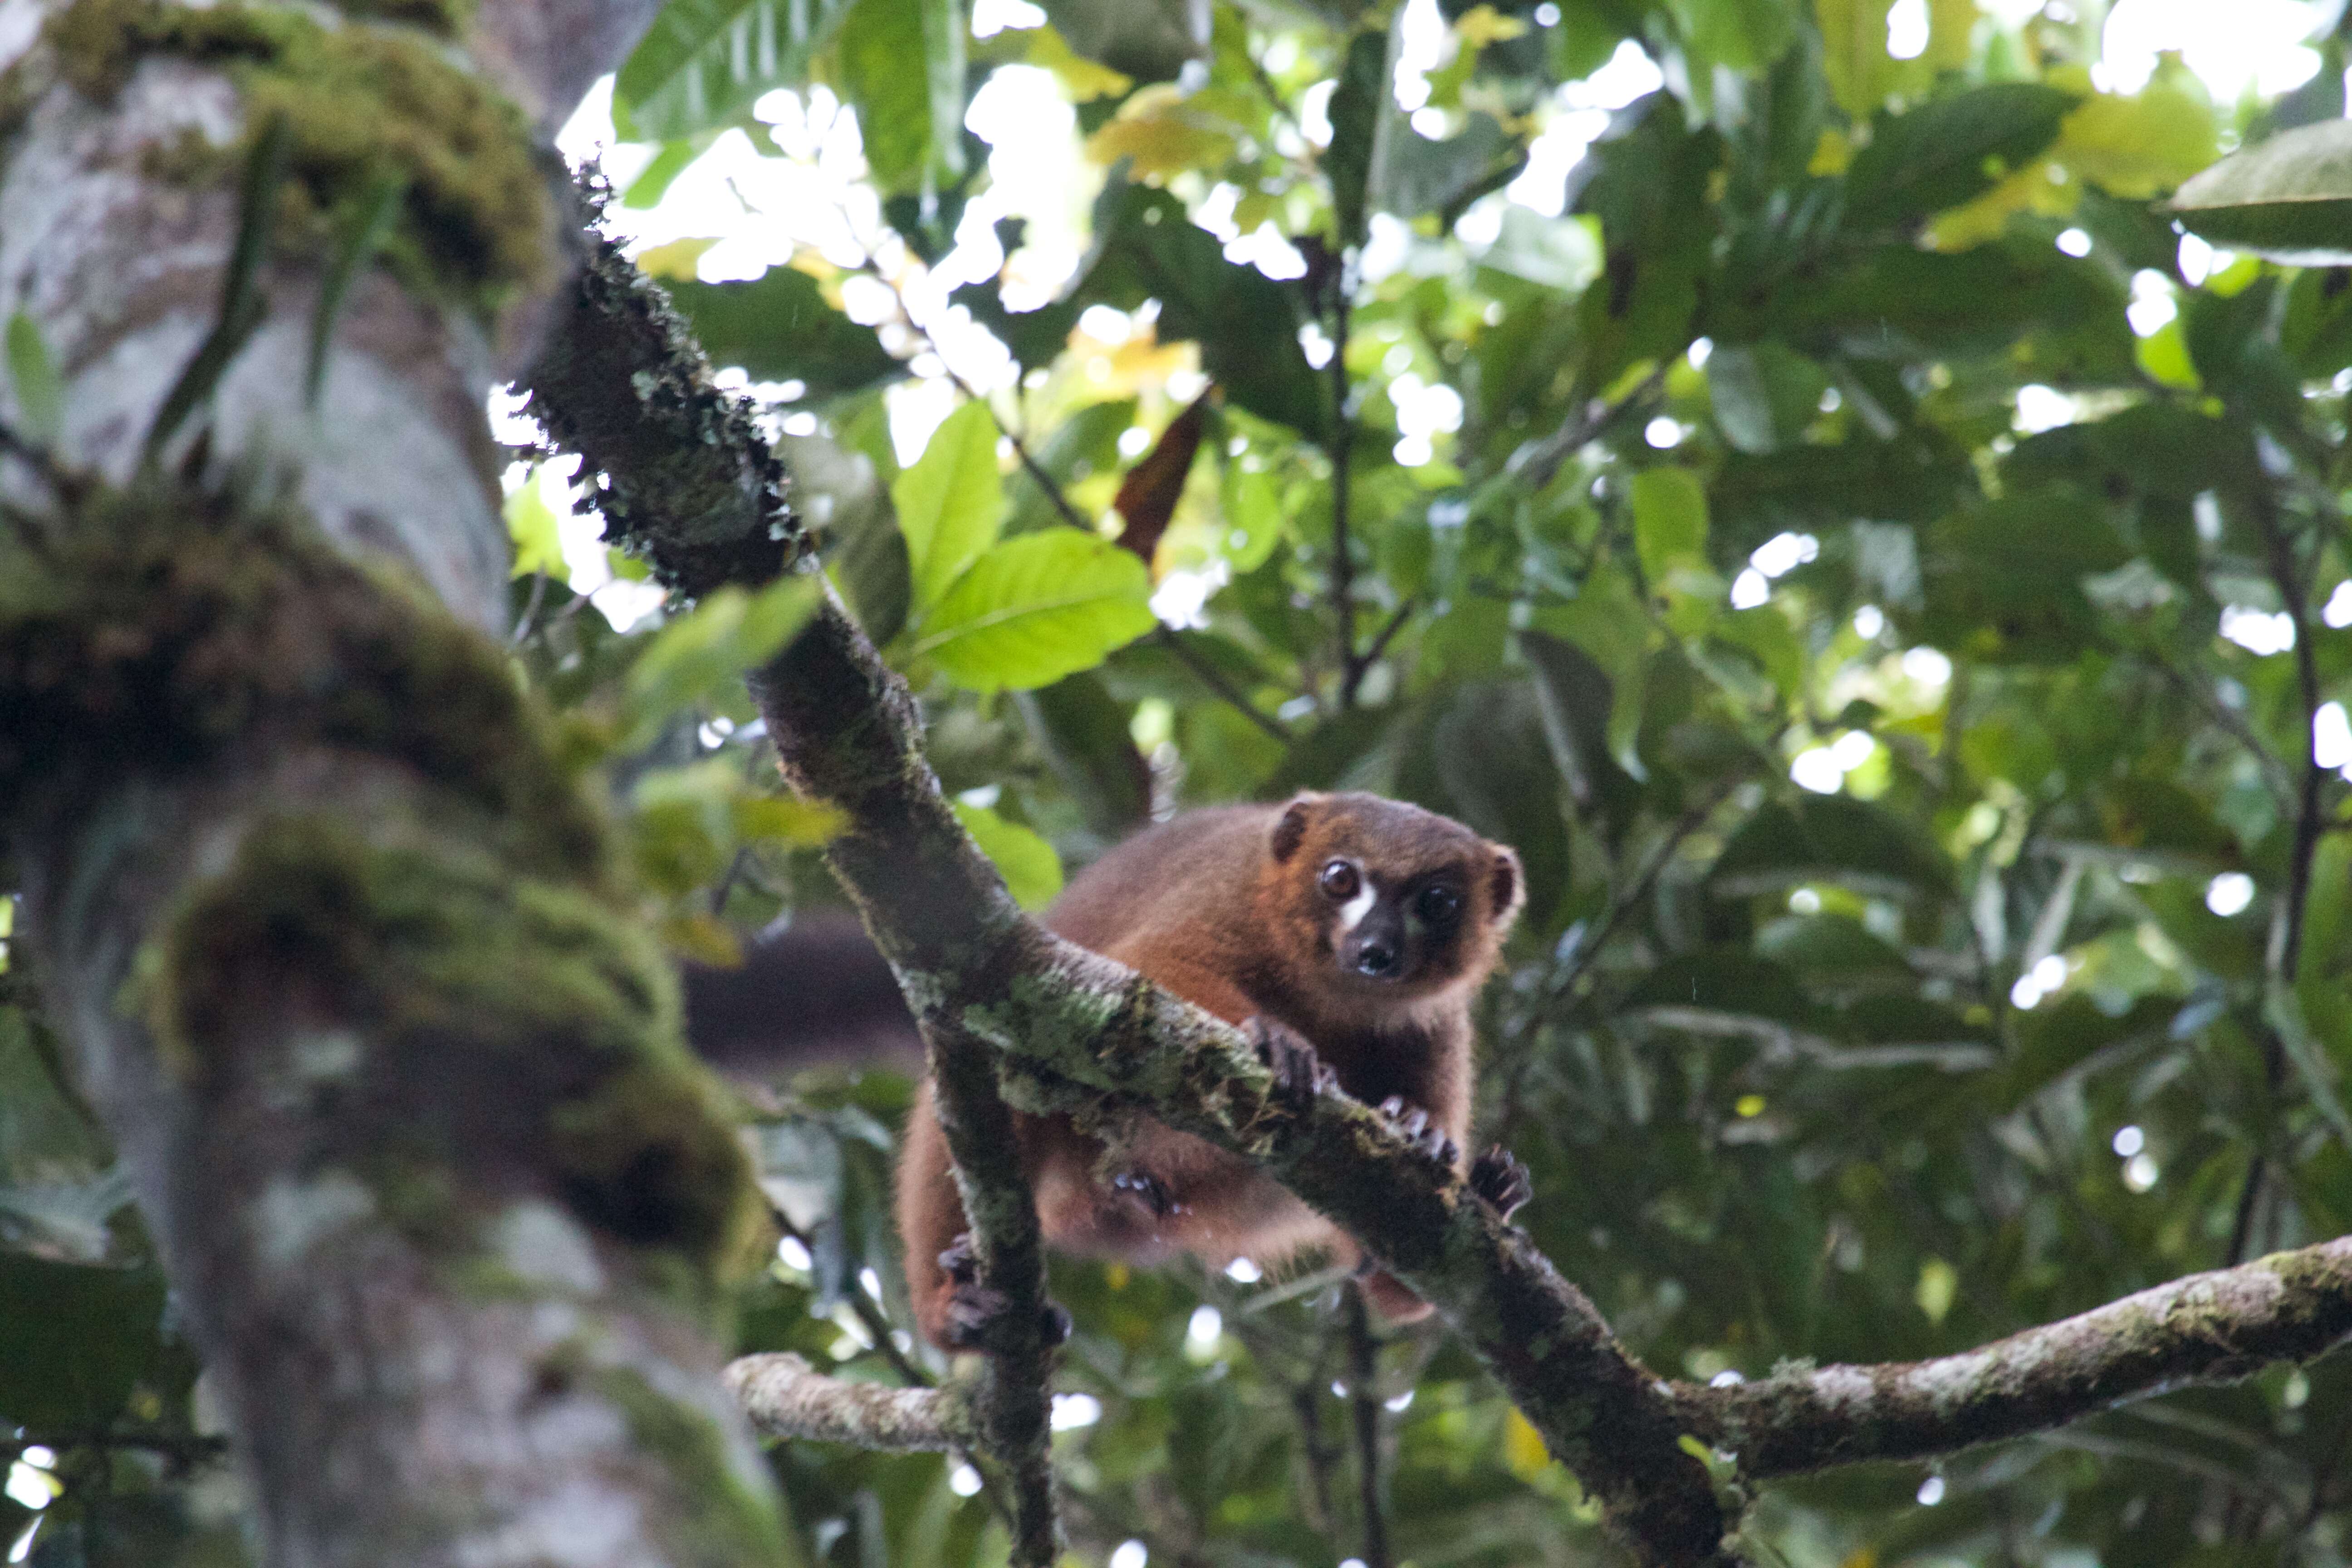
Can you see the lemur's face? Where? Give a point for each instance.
(1399, 897)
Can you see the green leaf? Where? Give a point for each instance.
(1853, 51)
(1764, 393)
(2004, 580)
(837, 490)
(704, 653)
(1150, 40)
(1085, 738)
(1558, 253)
(1359, 105)
(1575, 696)
(1939, 1285)
(951, 502)
(703, 62)
(1646, 180)
(1607, 622)
(1950, 150)
(1246, 323)
(531, 526)
(778, 327)
(1032, 871)
(1034, 609)
(33, 377)
(79, 1338)
(901, 64)
(1724, 982)
(1491, 753)
(2289, 198)
(1415, 174)
(1828, 838)
(1669, 522)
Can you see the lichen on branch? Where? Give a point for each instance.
(2204, 1328)
(787, 1398)
(362, 104)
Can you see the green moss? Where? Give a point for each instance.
(733, 1520)
(158, 627)
(650, 1158)
(360, 104)
(565, 1016)
(443, 18)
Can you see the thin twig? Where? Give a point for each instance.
(869, 1316)
(179, 1448)
(1306, 1404)
(1266, 84)
(2274, 772)
(1380, 643)
(1534, 466)
(530, 608)
(1364, 1406)
(2286, 955)
(1163, 636)
(1209, 676)
(1343, 437)
(1579, 964)
(62, 481)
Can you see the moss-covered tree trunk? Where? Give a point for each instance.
(310, 890)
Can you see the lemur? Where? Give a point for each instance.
(1347, 934)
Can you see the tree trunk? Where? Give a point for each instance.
(308, 887)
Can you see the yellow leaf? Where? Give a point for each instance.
(1832, 153)
(1938, 1284)
(1862, 1557)
(676, 260)
(2141, 146)
(2163, 354)
(1951, 25)
(1161, 135)
(1482, 24)
(804, 823)
(2041, 186)
(2235, 278)
(531, 525)
(1853, 51)
(1524, 1453)
(703, 937)
(1083, 79)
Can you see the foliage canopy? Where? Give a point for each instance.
(1882, 575)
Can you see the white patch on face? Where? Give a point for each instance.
(1356, 908)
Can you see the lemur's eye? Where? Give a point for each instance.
(1338, 880)
(1437, 904)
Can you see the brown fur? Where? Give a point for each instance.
(1224, 907)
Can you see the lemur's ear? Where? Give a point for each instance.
(1508, 889)
(1290, 831)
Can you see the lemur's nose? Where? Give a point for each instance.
(1375, 958)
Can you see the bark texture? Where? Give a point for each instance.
(786, 1397)
(311, 891)
(687, 482)
(2205, 1328)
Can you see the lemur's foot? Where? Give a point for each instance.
(976, 1313)
(1411, 1122)
(1299, 1075)
(1498, 1178)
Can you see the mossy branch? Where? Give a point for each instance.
(786, 1397)
(687, 482)
(2205, 1328)
(1077, 1034)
